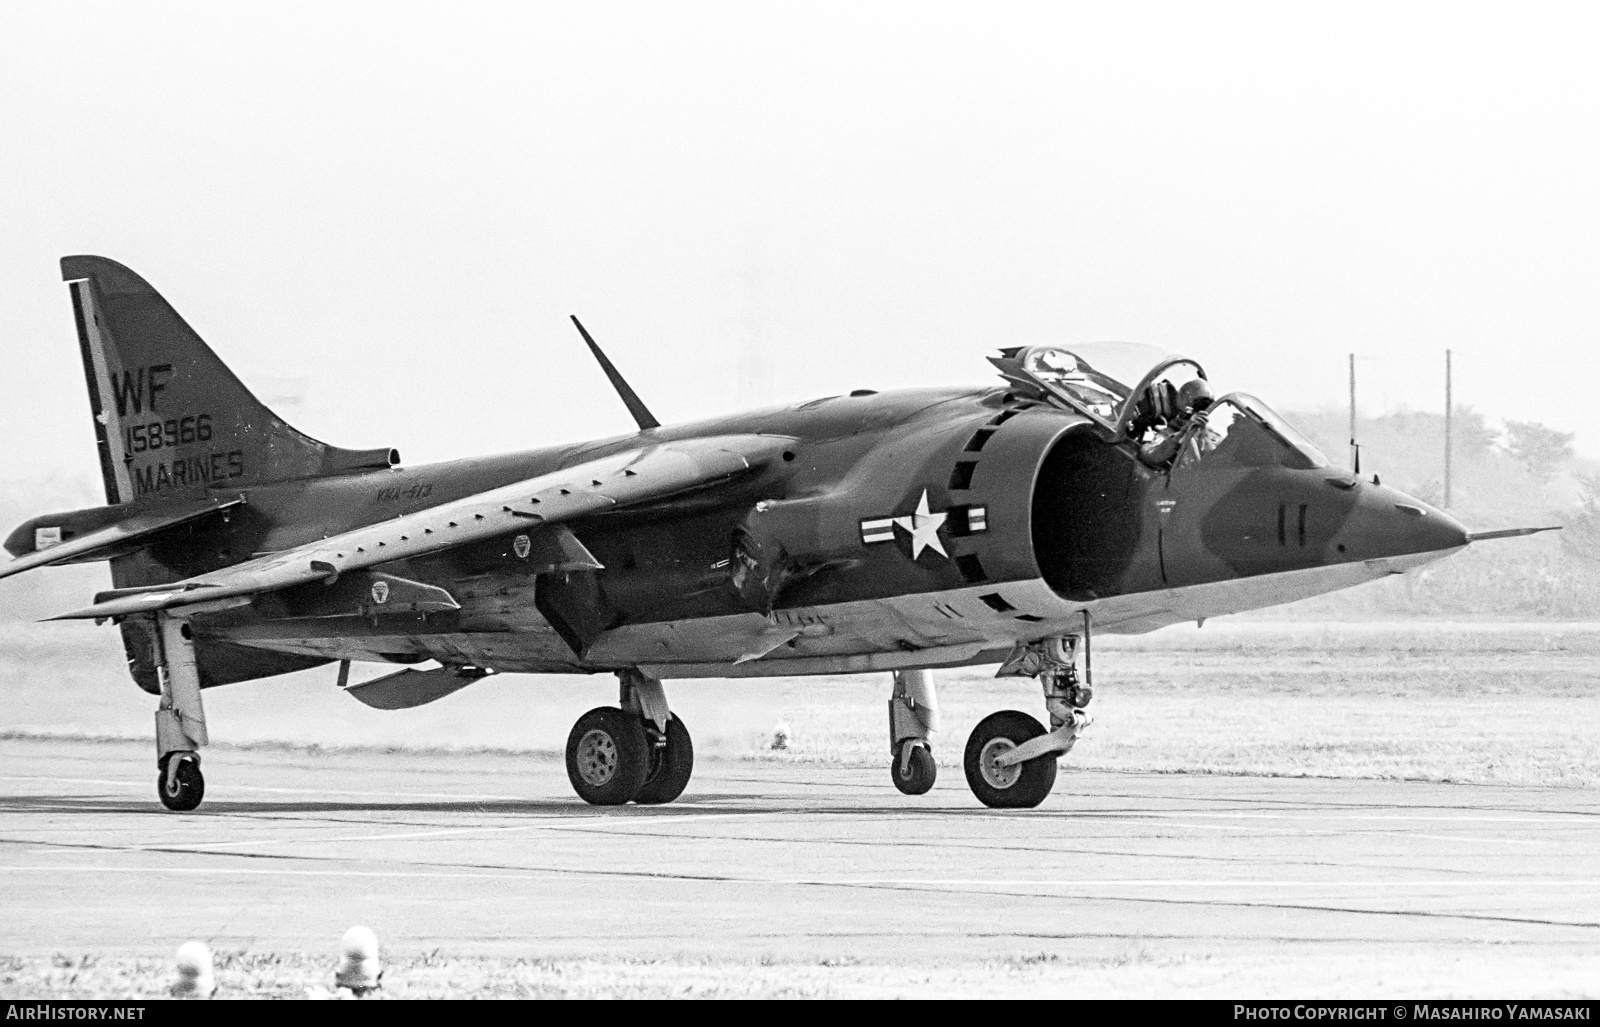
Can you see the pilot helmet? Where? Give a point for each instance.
(1195, 394)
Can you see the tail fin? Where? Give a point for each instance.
(171, 420)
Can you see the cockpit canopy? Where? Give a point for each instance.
(1242, 431)
(1126, 388)
(1111, 383)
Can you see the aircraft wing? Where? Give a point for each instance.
(623, 479)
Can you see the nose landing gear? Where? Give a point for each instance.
(640, 752)
(1014, 785)
(1010, 758)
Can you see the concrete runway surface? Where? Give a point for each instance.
(490, 854)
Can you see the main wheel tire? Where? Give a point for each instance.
(915, 775)
(672, 767)
(608, 756)
(1022, 786)
(182, 790)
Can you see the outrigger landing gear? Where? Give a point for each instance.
(1011, 759)
(913, 717)
(639, 753)
(180, 719)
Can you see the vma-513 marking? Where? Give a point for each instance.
(1100, 487)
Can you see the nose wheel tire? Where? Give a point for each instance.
(608, 756)
(179, 782)
(1020, 786)
(915, 771)
(671, 767)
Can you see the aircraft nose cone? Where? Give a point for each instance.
(1387, 524)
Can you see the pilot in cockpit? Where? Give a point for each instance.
(1187, 419)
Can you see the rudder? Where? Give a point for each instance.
(171, 420)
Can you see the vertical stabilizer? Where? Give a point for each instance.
(170, 419)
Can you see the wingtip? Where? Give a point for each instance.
(85, 614)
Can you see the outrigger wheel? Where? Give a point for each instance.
(179, 781)
(914, 769)
(1020, 786)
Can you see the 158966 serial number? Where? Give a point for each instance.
(174, 431)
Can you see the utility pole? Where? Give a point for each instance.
(1449, 412)
(1355, 449)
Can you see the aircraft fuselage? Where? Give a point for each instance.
(916, 528)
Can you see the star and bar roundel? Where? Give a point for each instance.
(922, 526)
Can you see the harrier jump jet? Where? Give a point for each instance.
(892, 533)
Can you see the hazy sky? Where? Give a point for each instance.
(402, 203)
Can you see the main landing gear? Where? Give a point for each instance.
(640, 752)
(1011, 759)
(180, 718)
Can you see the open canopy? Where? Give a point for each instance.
(1104, 381)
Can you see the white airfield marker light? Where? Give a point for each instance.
(358, 965)
(195, 976)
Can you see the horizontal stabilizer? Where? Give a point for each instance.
(623, 479)
(1484, 536)
(131, 529)
(407, 688)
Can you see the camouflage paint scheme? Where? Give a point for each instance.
(874, 531)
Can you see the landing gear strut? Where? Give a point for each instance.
(640, 752)
(180, 718)
(1010, 758)
(913, 717)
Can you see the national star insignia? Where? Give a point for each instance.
(923, 527)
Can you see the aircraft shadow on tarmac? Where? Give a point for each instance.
(723, 804)
(698, 805)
